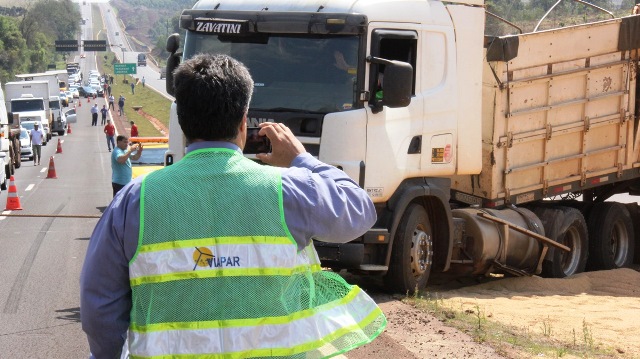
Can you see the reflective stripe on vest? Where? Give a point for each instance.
(237, 256)
(246, 338)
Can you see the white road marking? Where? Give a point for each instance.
(29, 187)
(4, 212)
(43, 169)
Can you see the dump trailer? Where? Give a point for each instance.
(482, 153)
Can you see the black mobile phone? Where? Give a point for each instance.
(256, 143)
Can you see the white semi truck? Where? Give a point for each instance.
(9, 140)
(27, 101)
(474, 148)
(54, 79)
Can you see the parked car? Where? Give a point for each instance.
(71, 115)
(98, 88)
(29, 125)
(25, 144)
(152, 155)
(63, 98)
(74, 91)
(87, 91)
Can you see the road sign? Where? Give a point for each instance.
(124, 69)
(95, 45)
(66, 45)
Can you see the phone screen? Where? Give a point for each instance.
(256, 143)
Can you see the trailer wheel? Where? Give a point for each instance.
(412, 252)
(570, 230)
(634, 211)
(611, 237)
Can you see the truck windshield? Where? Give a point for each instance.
(55, 104)
(291, 72)
(27, 105)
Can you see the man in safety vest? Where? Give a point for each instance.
(213, 255)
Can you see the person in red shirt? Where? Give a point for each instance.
(134, 129)
(110, 131)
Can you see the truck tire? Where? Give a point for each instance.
(567, 226)
(611, 236)
(411, 252)
(3, 186)
(634, 211)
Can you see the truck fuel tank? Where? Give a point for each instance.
(491, 246)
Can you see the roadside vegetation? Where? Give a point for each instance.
(507, 340)
(28, 33)
(153, 104)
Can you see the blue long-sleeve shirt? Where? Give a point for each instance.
(320, 202)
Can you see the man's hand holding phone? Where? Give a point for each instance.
(285, 147)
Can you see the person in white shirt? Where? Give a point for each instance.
(36, 136)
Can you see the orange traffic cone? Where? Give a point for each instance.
(79, 103)
(13, 201)
(88, 99)
(68, 129)
(52, 169)
(59, 149)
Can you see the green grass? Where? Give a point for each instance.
(153, 104)
(506, 340)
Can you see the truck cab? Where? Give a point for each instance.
(142, 59)
(413, 102)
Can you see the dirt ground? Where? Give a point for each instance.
(604, 305)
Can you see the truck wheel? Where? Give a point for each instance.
(634, 211)
(412, 252)
(569, 228)
(611, 238)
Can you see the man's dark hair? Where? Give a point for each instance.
(212, 95)
(121, 138)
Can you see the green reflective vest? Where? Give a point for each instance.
(218, 275)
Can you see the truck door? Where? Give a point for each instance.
(417, 140)
(390, 131)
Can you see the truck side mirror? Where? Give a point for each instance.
(173, 44)
(398, 80)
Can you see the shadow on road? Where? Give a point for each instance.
(71, 314)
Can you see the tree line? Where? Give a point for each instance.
(527, 13)
(28, 35)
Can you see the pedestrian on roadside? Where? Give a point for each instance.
(109, 90)
(133, 87)
(36, 135)
(111, 101)
(138, 269)
(110, 80)
(104, 112)
(121, 105)
(143, 81)
(94, 115)
(110, 131)
(121, 162)
(134, 129)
